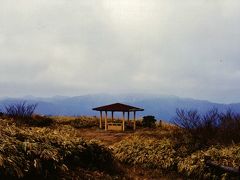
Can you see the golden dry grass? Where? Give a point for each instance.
(166, 148)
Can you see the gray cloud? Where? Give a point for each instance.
(69, 47)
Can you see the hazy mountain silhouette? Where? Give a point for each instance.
(162, 107)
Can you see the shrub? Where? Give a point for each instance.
(20, 110)
(187, 119)
(23, 113)
(40, 121)
(149, 121)
(211, 126)
(229, 126)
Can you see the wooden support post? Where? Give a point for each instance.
(106, 121)
(123, 122)
(112, 116)
(128, 119)
(134, 120)
(100, 125)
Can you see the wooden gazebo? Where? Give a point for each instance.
(117, 107)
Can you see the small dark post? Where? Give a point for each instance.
(160, 123)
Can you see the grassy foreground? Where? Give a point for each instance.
(170, 151)
(53, 152)
(74, 148)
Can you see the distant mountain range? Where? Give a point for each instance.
(162, 107)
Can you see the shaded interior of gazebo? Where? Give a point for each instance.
(117, 107)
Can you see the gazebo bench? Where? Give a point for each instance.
(115, 126)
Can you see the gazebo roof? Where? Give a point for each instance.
(118, 107)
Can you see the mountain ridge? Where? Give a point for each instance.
(161, 106)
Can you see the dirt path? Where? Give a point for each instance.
(106, 137)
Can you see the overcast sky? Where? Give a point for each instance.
(188, 48)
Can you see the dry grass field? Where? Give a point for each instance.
(75, 148)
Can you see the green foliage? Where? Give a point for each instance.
(149, 121)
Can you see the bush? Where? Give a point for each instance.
(210, 127)
(23, 113)
(187, 119)
(20, 110)
(40, 121)
(149, 121)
